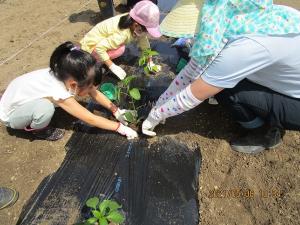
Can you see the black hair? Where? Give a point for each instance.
(99, 70)
(127, 21)
(68, 61)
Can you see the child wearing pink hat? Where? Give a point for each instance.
(107, 40)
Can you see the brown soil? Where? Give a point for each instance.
(234, 188)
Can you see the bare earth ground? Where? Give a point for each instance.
(272, 178)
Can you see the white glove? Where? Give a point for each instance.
(118, 71)
(127, 131)
(120, 115)
(148, 126)
(153, 67)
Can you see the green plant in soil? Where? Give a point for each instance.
(104, 213)
(125, 92)
(145, 57)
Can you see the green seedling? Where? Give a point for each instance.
(145, 58)
(124, 88)
(104, 213)
(131, 94)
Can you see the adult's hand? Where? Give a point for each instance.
(148, 126)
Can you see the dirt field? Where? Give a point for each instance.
(270, 182)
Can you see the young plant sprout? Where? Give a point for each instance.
(126, 95)
(132, 95)
(146, 62)
(104, 213)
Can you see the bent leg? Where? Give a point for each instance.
(115, 53)
(37, 114)
(251, 104)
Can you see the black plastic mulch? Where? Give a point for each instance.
(156, 184)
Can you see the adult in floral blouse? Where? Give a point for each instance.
(246, 54)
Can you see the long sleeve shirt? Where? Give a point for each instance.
(106, 36)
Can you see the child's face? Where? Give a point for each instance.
(139, 30)
(85, 91)
(75, 90)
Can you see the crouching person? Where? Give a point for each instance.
(29, 101)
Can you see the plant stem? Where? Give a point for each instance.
(140, 106)
(132, 102)
(124, 93)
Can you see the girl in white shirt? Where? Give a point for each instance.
(29, 101)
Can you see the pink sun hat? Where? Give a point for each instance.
(147, 13)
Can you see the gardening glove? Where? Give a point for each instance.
(148, 126)
(153, 67)
(127, 131)
(119, 114)
(118, 71)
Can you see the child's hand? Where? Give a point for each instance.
(118, 71)
(127, 131)
(119, 114)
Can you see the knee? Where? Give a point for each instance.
(113, 54)
(226, 97)
(44, 110)
(122, 49)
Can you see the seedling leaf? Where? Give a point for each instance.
(103, 206)
(135, 94)
(142, 60)
(153, 53)
(127, 80)
(92, 202)
(146, 70)
(146, 51)
(129, 117)
(116, 217)
(92, 221)
(113, 206)
(97, 214)
(103, 221)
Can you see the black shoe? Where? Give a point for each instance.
(8, 197)
(256, 142)
(49, 134)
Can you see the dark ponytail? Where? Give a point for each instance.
(126, 21)
(68, 61)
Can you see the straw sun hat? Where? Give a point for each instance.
(182, 20)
